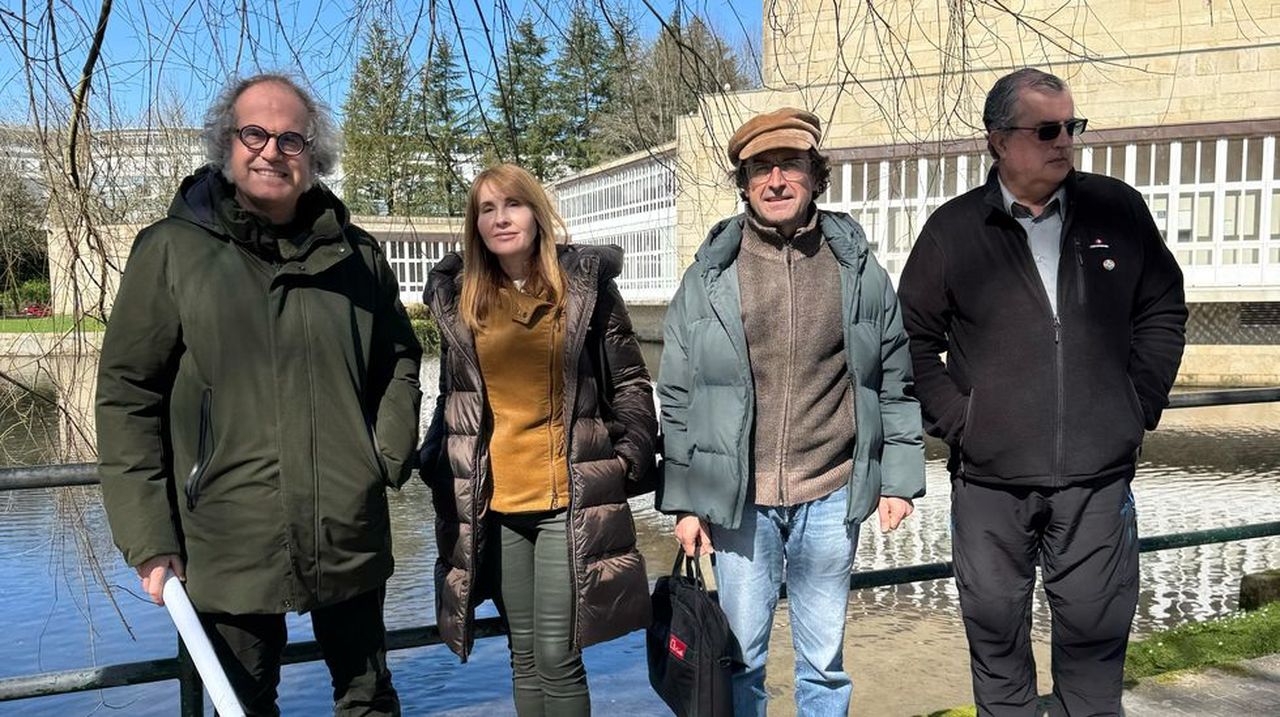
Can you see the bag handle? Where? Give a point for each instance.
(692, 567)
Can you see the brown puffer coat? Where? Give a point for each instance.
(608, 572)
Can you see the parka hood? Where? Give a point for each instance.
(720, 248)
(207, 199)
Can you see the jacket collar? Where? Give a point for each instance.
(993, 197)
(312, 242)
(723, 242)
(766, 240)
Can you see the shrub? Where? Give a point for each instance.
(33, 291)
(428, 335)
(417, 311)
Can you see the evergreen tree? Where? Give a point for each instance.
(686, 60)
(627, 52)
(525, 121)
(442, 123)
(583, 88)
(380, 151)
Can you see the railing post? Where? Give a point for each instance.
(190, 686)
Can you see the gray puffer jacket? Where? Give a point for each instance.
(708, 399)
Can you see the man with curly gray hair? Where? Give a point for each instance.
(257, 394)
(220, 126)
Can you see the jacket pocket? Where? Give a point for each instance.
(970, 441)
(968, 413)
(204, 449)
(1136, 403)
(375, 454)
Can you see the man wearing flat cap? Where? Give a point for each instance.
(787, 407)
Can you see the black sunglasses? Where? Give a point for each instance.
(1050, 131)
(255, 138)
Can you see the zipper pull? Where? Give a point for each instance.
(1057, 330)
(1079, 255)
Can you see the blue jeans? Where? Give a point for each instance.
(814, 546)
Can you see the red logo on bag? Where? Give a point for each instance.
(677, 647)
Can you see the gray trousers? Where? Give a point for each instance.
(1085, 539)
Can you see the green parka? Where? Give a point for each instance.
(255, 399)
(708, 398)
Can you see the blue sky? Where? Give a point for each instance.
(171, 57)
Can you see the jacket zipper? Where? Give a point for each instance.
(964, 430)
(849, 316)
(589, 301)
(783, 438)
(204, 449)
(377, 455)
(1028, 264)
(315, 476)
(289, 534)
(1080, 298)
(551, 434)
(467, 626)
(854, 382)
(1057, 416)
(1060, 416)
(709, 280)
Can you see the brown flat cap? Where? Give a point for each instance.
(786, 128)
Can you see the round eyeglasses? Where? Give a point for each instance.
(255, 138)
(1050, 130)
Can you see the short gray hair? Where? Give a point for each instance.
(220, 124)
(1002, 101)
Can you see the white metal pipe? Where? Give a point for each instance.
(198, 646)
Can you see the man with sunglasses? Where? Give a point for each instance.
(1061, 316)
(785, 386)
(257, 394)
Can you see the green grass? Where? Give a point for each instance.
(1216, 643)
(968, 711)
(46, 325)
(1206, 644)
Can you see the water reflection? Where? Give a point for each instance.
(1204, 468)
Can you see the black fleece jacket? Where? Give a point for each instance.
(1025, 397)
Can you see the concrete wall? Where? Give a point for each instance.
(1230, 366)
(85, 267)
(818, 42)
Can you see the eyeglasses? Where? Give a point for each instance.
(1049, 131)
(255, 138)
(792, 169)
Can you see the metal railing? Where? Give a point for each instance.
(191, 688)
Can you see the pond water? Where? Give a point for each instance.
(1204, 468)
